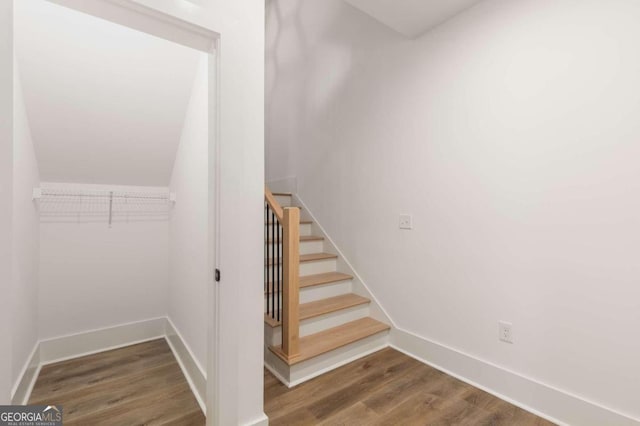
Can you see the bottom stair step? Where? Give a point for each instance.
(333, 338)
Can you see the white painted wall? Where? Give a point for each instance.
(105, 102)
(510, 134)
(6, 189)
(26, 237)
(188, 227)
(93, 276)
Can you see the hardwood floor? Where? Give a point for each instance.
(139, 384)
(388, 388)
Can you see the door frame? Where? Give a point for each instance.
(145, 19)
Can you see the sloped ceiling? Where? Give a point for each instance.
(412, 18)
(105, 104)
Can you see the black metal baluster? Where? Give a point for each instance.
(273, 270)
(265, 247)
(269, 261)
(278, 248)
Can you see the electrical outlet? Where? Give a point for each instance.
(505, 332)
(406, 221)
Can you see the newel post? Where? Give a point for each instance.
(290, 290)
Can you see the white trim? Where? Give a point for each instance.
(262, 421)
(555, 405)
(191, 368)
(93, 341)
(27, 379)
(357, 278)
(278, 376)
(214, 385)
(335, 365)
(147, 20)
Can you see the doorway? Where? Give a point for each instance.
(104, 204)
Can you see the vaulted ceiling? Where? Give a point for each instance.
(412, 17)
(105, 103)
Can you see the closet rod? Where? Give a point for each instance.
(39, 193)
(105, 196)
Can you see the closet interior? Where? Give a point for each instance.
(110, 195)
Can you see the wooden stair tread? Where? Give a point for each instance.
(313, 257)
(326, 278)
(331, 304)
(318, 279)
(304, 238)
(332, 338)
(324, 306)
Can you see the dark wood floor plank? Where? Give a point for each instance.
(105, 395)
(397, 391)
(157, 408)
(139, 384)
(345, 397)
(77, 374)
(314, 390)
(357, 414)
(388, 388)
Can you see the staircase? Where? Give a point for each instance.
(314, 322)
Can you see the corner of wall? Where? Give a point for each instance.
(6, 185)
(25, 239)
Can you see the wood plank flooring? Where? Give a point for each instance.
(388, 388)
(139, 384)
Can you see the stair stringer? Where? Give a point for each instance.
(358, 285)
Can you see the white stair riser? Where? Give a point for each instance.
(319, 292)
(318, 267)
(309, 247)
(338, 357)
(321, 323)
(284, 201)
(314, 267)
(305, 229)
(313, 367)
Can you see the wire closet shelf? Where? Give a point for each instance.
(99, 204)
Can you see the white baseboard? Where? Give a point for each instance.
(93, 341)
(192, 370)
(262, 421)
(277, 374)
(553, 404)
(24, 385)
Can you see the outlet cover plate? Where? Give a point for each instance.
(406, 221)
(505, 331)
